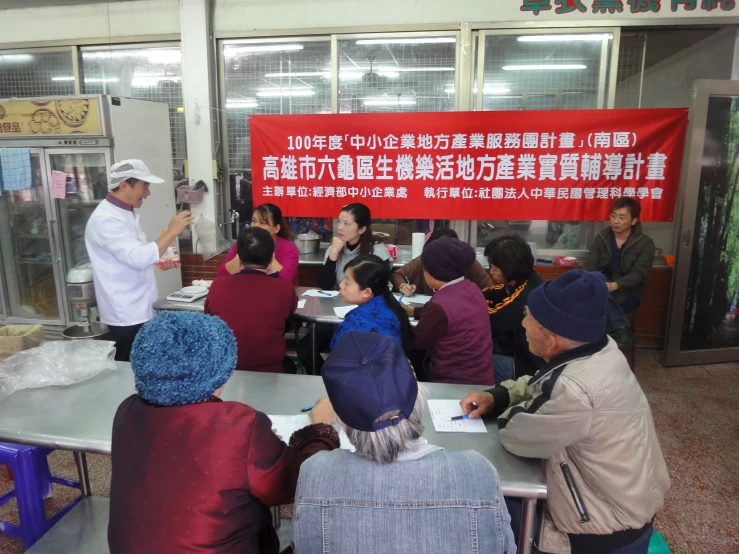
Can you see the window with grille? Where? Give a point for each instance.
(381, 74)
(291, 77)
(148, 73)
(543, 72)
(31, 73)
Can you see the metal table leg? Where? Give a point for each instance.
(80, 458)
(314, 347)
(528, 514)
(276, 521)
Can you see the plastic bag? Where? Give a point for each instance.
(210, 242)
(56, 363)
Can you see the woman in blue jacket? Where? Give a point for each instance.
(365, 283)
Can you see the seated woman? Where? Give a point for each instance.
(453, 326)
(396, 490)
(191, 472)
(354, 239)
(366, 284)
(409, 278)
(256, 305)
(286, 255)
(513, 275)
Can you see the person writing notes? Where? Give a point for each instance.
(409, 278)
(365, 284)
(122, 258)
(453, 327)
(586, 416)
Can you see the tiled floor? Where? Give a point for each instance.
(696, 411)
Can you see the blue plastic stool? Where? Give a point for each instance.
(33, 482)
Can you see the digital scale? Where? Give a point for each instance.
(188, 294)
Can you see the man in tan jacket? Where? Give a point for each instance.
(586, 416)
(409, 278)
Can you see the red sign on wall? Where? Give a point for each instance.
(556, 165)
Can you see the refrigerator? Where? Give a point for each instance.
(72, 142)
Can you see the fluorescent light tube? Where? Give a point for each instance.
(543, 67)
(389, 102)
(564, 38)
(235, 105)
(281, 93)
(231, 51)
(427, 40)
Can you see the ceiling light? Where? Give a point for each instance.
(301, 74)
(416, 69)
(390, 74)
(154, 55)
(62, 78)
(542, 67)
(280, 93)
(152, 80)
(564, 38)
(240, 104)
(109, 80)
(15, 58)
(231, 51)
(427, 40)
(389, 102)
(486, 90)
(180, 109)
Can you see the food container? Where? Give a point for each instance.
(308, 244)
(565, 261)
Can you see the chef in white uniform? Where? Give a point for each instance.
(122, 258)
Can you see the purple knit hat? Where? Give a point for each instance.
(447, 259)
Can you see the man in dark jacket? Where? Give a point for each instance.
(624, 254)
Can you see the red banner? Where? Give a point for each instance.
(556, 165)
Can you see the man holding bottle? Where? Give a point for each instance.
(122, 259)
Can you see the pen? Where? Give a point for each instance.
(405, 276)
(308, 409)
(457, 418)
(323, 293)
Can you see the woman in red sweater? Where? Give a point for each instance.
(286, 256)
(191, 472)
(256, 305)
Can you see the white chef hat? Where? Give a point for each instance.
(126, 169)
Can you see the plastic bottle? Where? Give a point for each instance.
(171, 254)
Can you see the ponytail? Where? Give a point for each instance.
(372, 272)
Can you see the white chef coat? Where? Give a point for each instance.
(122, 266)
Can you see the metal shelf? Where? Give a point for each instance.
(33, 261)
(31, 236)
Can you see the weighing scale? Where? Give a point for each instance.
(188, 294)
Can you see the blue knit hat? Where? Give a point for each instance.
(182, 358)
(572, 306)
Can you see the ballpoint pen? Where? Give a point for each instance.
(457, 418)
(405, 276)
(308, 409)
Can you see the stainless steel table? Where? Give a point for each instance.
(316, 310)
(80, 418)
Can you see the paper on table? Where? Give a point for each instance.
(345, 444)
(321, 293)
(341, 311)
(442, 410)
(301, 304)
(286, 425)
(416, 299)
